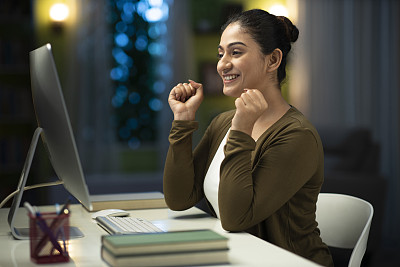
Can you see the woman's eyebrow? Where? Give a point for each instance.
(232, 44)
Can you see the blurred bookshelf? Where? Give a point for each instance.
(16, 109)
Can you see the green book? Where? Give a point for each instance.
(128, 201)
(190, 258)
(164, 242)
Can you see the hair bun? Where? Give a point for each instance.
(291, 30)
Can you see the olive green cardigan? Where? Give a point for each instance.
(268, 188)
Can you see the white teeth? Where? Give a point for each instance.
(230, 77)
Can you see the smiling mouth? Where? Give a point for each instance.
(229, 78)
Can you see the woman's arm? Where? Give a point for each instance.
(180, 189)
(179, 180)
(185, 170)
(250, 194)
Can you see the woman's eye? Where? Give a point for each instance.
(233, 53)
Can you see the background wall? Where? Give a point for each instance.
(345, 75)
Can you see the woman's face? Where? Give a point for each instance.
(241, 64)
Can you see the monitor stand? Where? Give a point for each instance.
(23, 233)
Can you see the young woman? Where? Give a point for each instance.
(260, 166)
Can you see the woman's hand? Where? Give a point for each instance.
(249, 107)
(184, 100)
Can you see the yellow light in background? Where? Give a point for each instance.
(278, 10)
(59, 12)
(287, 8)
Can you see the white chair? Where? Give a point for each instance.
(344, 222)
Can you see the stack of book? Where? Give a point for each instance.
(128, 201)
(196, 247)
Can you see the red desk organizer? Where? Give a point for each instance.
(49, 237)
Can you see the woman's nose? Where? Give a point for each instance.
(224, 64)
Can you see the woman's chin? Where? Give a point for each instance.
(232, 92)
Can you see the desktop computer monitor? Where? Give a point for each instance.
(55, 129)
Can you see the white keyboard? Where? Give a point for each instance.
(126, 225)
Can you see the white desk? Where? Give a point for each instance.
(245, 249)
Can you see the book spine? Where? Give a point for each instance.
(130, 204)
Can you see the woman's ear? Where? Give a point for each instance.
(274, 60)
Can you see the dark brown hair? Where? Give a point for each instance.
(269, 31)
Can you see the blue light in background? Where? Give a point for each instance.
(121, 91)
(121, 39)
(116, 74)
(120, 4)
(159, 87)
(155, 104)
(141, 42)
(155, 3)
(116, 102)
(134, 143)
(158, 11)
(139, 70)
(162, 28)
(120, 96)
(164, 70)
(154, 31)
(134, 98)
(121, 57)
(120, 73)
(153, 14)
(157, 49)
(157, 29)
(121, 26)
(127, 17)
(129, 8)
(141, 7)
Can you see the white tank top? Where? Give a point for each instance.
(211, 181)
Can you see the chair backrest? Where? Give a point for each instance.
(344, 222)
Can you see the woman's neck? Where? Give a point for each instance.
(277, 107)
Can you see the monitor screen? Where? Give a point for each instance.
(54, 127)
(52, 117)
